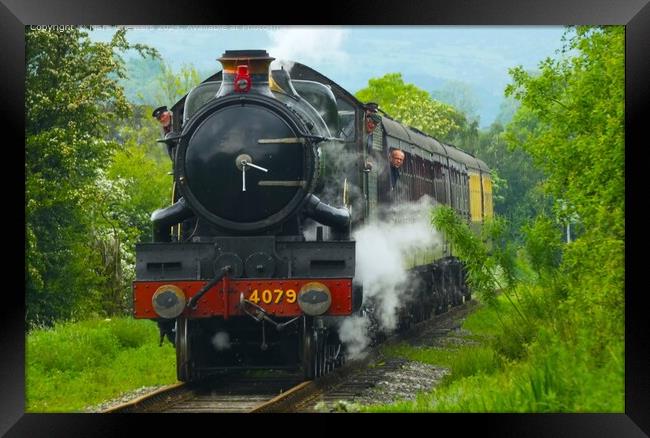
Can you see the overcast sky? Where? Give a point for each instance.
(427, 56)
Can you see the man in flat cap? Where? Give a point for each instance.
(164, 117)
(372, 107)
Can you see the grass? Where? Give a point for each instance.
(79, 364)
(514, 370)
(557, 366)
(463, 361)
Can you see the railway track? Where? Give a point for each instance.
(385, 380)
(282, 391)
(227, 393)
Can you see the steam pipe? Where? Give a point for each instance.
(191, 304)
(164, 218)
(336, 218)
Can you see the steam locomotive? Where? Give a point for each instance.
(253, 263)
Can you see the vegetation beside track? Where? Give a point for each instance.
(75, 365)
(497, 372)
(554, 337)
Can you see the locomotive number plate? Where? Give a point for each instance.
(273, 296)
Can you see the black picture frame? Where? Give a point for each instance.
(635, 14)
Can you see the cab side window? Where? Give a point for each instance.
(347, 119)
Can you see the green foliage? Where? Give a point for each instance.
(74, 365)
(461, 96)
(138, 84)
(552, 376)
(543, 241)
(152, 82)
(507, 110)
(72, 97)
(172, 86)
(481, 267)
(553, 383)
(411, 105)
(143, 167)
(71, 348)
(463, 361)
(560, 311)
(577, 105)
(94, 174)
(516, 182)
(135, 184)
(492, 269)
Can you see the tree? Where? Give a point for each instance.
(138, 86)
(507, 109)
(577, 107)
(144, 167)
(136, 183)
(516, 183)
(140, 182)
(461, 96)
(567, 297)
(571, 122)
(173, 86)
(411, 105)
(72, 97)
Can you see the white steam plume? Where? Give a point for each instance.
(353, 332)
(307, 44)
(383, 251)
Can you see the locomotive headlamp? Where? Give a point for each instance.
(168, 301)
(314, 298)
(242, 79)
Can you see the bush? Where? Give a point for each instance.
(505, 331)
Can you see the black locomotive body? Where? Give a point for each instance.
(253, 264)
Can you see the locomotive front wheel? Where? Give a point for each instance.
(184, 354)
(310, 353)
(320, 356)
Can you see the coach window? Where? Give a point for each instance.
(430, 172)
(347, 120)
(439, 182)
(452, 181)
(408, 164)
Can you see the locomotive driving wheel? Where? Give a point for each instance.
(333, 349)
(321, 351)
(185, 370)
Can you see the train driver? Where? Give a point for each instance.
(164, 117)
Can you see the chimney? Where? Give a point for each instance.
(245, 72)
